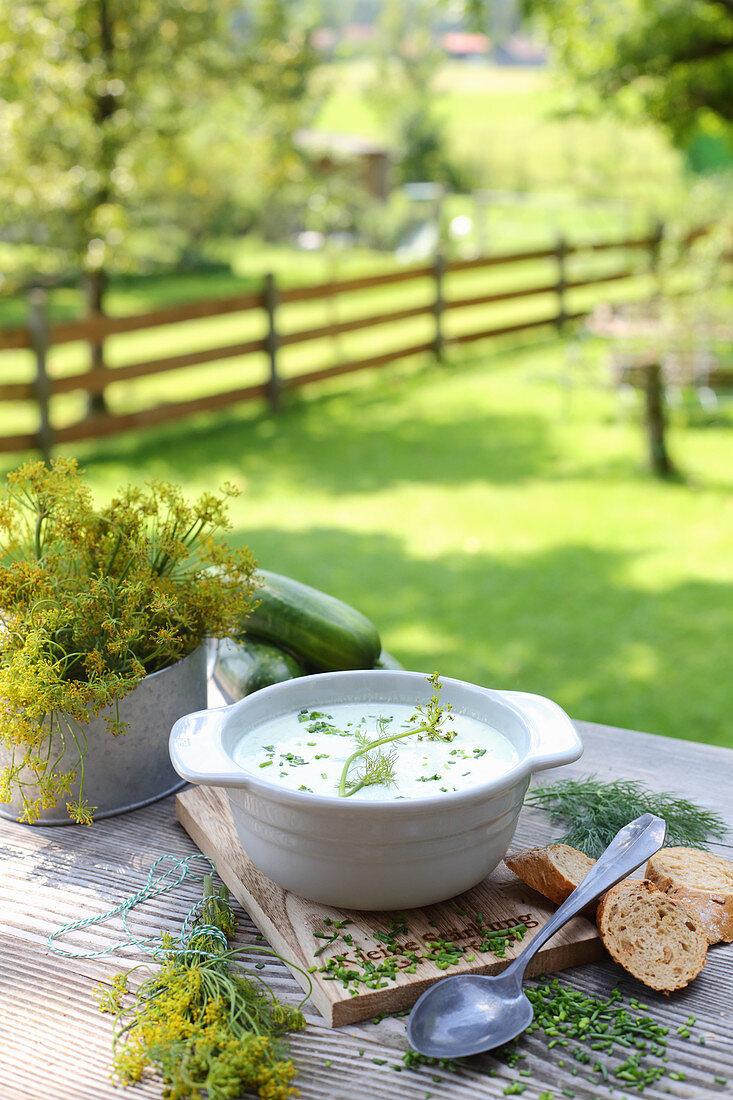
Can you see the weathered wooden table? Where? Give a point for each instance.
(55, 1045)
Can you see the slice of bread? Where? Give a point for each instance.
(703, 881)
(653, 936)
(713, 911)
(553, 871)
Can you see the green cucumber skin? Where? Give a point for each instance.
(386, 660)
(325, 633)
(243, 667)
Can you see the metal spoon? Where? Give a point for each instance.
(469, 1013)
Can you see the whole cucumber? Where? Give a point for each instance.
(323, 632)
(245, 666)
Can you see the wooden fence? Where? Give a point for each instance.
(39, 336)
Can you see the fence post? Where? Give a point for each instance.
(561, 251)
(655, 421)
(272, 342)
(439, 305)
(38, 329)
(96, 285)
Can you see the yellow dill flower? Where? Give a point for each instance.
(110, 997)
(93, 600)
(206, 1028)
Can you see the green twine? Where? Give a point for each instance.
(156, 885)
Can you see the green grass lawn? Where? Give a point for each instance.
(494, 518)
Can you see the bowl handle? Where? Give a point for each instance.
(196, 750)
(555, 739)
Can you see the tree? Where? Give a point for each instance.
(280, 63)
(97, 99)
(125, 124)
(404, 92)
(672, 57)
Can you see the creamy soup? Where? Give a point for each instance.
(307, 752)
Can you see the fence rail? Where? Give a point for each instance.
(39, 336)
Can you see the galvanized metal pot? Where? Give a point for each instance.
(126, 772)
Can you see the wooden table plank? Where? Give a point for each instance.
(54, 1042)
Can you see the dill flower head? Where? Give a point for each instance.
(93, 599)
(207, 1027)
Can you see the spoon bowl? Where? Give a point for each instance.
(470, 1013)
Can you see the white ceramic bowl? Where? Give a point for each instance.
(390, 854)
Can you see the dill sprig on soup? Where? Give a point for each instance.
(375, 752)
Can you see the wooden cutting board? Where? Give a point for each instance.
(289, 922)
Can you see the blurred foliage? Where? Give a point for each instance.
(111, 153)
(514, 129)
(279, 69)
(404, 94)
(671, 59)
(706, 259)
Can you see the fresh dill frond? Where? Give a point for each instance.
(594, 811)
(204, 1022)
(426, 720)
(377, 768)
(364, 740)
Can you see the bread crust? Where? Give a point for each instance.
(554, 871)
(652, 935)
(703, 882)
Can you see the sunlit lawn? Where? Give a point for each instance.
(495, 519)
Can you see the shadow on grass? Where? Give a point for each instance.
(374, 430)
(564, 622)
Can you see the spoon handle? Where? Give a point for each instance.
(631, 847)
